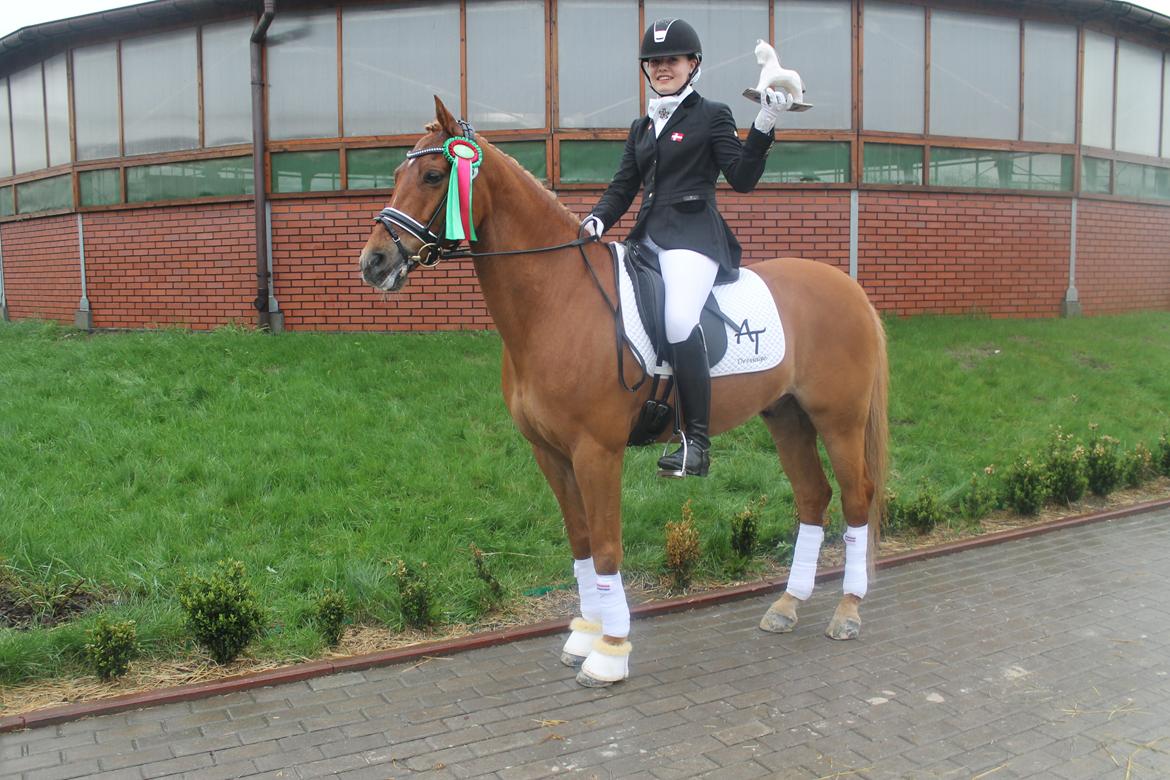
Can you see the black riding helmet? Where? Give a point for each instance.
(669, 37)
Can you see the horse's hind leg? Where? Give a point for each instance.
(846, 448)
(796, 443)
(586, 628)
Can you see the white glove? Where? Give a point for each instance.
(772, 102)
(593, 226)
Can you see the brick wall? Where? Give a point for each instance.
(42, 268)
(999, 255)
(193, 266)
(1123, 256)
(187, 266)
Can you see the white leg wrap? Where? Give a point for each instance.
(804, 560)
(587, 590)
(615, 613)
(856, 546)
(606, 664)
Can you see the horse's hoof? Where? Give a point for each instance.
(848, 628)
(777, 622)
(588, 681)
(575, 661)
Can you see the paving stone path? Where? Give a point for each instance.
(1046, 657)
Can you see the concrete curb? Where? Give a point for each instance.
(133, 701)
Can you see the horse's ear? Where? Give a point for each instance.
(445, 119)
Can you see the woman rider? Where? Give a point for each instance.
(674, 154)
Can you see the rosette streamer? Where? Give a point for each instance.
(464, 156)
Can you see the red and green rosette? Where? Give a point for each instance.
(464, 156)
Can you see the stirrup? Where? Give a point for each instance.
(681, 472)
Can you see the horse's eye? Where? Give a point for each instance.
(432, 177)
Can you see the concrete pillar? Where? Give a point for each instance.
(853, 234)
(1071, 305)
(3, 300)
(83, 317)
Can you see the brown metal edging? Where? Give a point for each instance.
(312, 669)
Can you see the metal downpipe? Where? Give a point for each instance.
(259, 188)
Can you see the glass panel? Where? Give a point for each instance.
(1097, 109)
(604, 94)
(894, 65)
(95, 101)
(28, 119)
(306, 171)
(6, 204)
(974, 75)
(1139, 77)
(100, 188)
(590, 162)
(808, 161)
(1095, 175)
(57, 102)
(160, 103)
(728, 31)
(505, 63)
(1166, 108)
(423, 62)
(373, 168)
(892, 164)
(302, 75)
(227, 76)
(45, 194)
(816, 37)
(5, 132)
(194, 179)
(1000, 170)
(530, 155)
(1050, 82)
(1142, 181)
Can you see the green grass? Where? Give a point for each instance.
(133, 459)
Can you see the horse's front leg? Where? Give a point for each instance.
(585, 628)
(598, 472)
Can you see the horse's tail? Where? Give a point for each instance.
(877, 431)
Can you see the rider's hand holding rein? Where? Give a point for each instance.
(592, 226)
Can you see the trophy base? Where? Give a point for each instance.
(754, 96)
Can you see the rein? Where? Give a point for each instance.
(435, 249)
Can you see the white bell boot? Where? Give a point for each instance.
(605, 664)
(583, 634)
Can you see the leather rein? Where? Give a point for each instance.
(435, 249)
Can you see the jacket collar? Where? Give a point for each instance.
(682, 110)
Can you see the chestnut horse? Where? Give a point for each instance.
(560, 378)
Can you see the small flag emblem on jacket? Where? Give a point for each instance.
(676, 136)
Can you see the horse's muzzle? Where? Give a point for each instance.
(379, 270)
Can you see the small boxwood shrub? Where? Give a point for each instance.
(921, 514)
(493, 590)
(745, 529)
(331, 613)
(222, 612)
(415, 598)
(981, 497)
(682, 549)
(1065, 467)
(1103, 465)
(111, 647)
(1162, 457)
(1025, 486)
(1137, 466)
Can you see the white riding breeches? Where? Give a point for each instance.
(688, 277)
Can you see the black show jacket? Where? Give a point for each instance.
(678, 170)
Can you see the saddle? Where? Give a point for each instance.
(650, 292)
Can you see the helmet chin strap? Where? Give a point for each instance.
(679, 91)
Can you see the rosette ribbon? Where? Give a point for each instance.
(464, 156)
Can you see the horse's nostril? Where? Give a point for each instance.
(376, 261)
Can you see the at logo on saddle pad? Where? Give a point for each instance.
(756, 343)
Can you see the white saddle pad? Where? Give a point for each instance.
(757, 344)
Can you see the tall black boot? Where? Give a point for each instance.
(692, 376)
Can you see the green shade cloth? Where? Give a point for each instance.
(193, 179)
(1135, 180)
(45, 194)
(1001, 169)
(1095, 175)
(891, 164)
(7, 208)
(530, 155)
(370, 169)
(318, 171)
(808, 161)
(590, 162)
(100, 188)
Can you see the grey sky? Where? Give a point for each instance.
(17, 13)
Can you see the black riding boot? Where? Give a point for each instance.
(693, 377)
